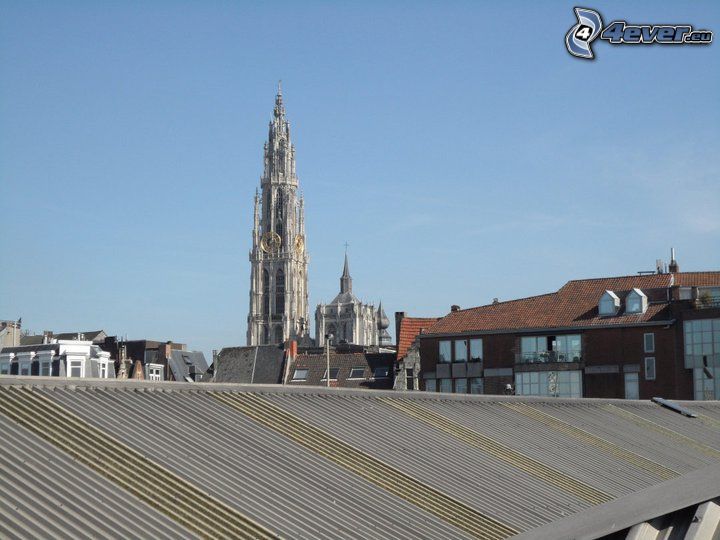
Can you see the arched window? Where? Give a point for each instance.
(280, 292)
(278, 334)
(266, 293)
(279, 205)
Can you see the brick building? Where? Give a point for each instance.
(629, 337)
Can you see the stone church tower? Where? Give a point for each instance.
(278, 278)
(348, 319)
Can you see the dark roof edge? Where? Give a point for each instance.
(665, 498)
(545, 329)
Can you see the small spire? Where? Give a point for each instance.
(279, 108)
(345, 279)
(346, 268)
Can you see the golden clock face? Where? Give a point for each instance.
(271, 242)
(299, 244)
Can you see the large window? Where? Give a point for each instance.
(461, 350)
(445, 385)
(24, 368)
(4, 368)
(704, 385)
(563, 348)
(476, 350)
(632, 390)
(445, 351)
(102, 369)
(430, 385)
(461, 386)
(649, 368)
(649, 343)
(702, 351)
(382, 372)
(300, 374)
(266, 293)
(476, 385)
(549, 383)
(279, 292)
(333, 374)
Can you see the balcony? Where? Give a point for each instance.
(547, 357)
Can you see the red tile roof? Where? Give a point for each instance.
(410, 327)
(575, 304)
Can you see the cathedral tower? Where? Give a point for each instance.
(278, 277)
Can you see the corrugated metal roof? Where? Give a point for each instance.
(304, 462)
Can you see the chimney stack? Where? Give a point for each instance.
(674, 266)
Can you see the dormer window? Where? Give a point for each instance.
(609, 304)
(636, 302)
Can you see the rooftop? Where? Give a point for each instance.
(575, 305)
(306, 462)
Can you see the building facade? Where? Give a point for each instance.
(631, 337)
(61, 358)
(278, 260)
(348, 319)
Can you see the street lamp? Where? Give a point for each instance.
(328, 337)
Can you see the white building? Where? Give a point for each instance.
(349, 320)
(61, 358)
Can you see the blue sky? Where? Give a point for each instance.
(456, 146)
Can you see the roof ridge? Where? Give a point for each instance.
(503, 302)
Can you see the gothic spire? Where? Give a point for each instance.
(345, 279)
(279, 107)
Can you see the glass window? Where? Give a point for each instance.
(704, 385)
(445, 385)
(75, 368)
(382, 372)
(300, 374)
(649, 342)
(445, 351)
(333, 374)
(461, 386)
(634, 303)
(649, 369)
(24, 368)
(461, 346)
(45, 368)
(632, 390)
(476, 350)
(476, 385)
(608, 304)
(549, 383)
(4, 368)
(357, 373)
(430, 385)
(102, 370)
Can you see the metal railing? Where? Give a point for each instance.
(546, 357)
